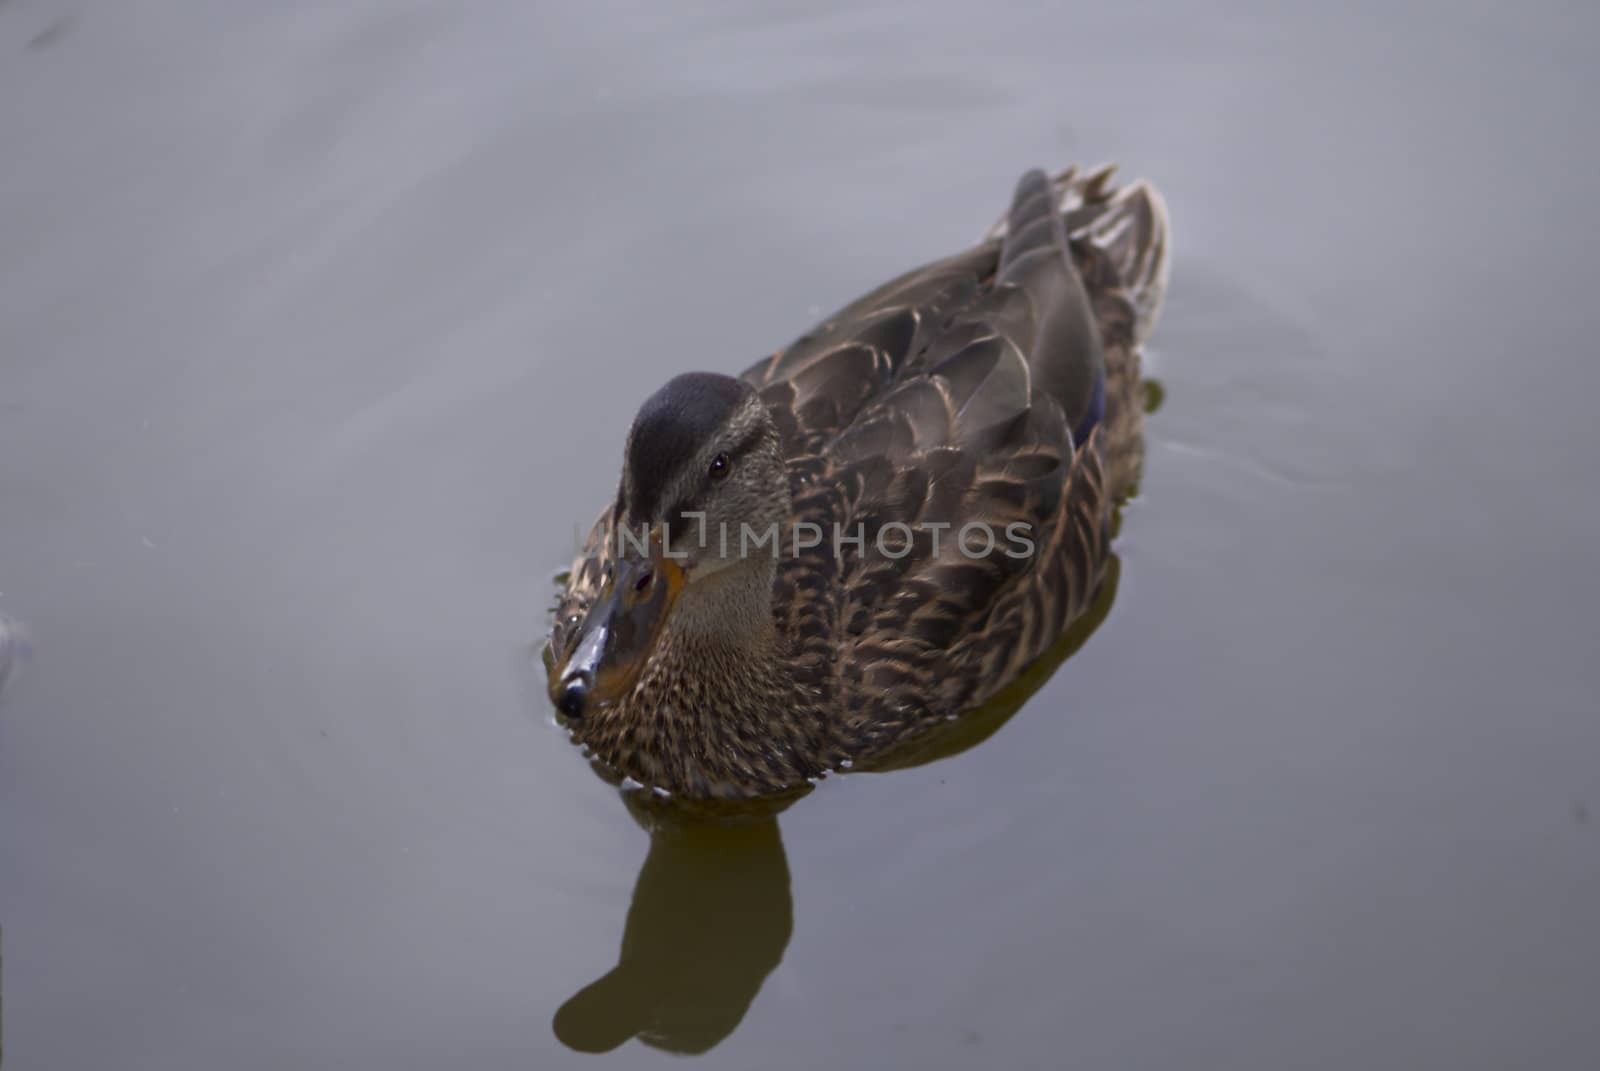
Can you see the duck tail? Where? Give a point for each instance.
(1119, 242)
(1128, 224)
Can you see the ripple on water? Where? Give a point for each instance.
(13, 647)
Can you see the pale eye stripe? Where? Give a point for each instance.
(751, 440)
(675, 516)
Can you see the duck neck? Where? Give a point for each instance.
(729, 612)
(718, 712)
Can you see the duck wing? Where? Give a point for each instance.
(961, 428)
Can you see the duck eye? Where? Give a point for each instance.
(719, 466)
(646, 578)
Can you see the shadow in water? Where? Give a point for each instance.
(711, 918)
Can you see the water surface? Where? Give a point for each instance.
(319, 332)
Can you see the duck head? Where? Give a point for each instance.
(703, 479)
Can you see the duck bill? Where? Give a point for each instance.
(618, 635)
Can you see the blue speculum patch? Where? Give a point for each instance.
(1097, 410)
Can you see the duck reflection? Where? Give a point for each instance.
(711, 917)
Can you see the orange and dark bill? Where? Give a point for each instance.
(617, 635)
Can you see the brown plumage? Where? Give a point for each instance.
(998, 387)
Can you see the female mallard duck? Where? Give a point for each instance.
(878, 528)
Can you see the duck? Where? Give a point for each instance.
(873, 531)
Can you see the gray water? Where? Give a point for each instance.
(319, 332)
